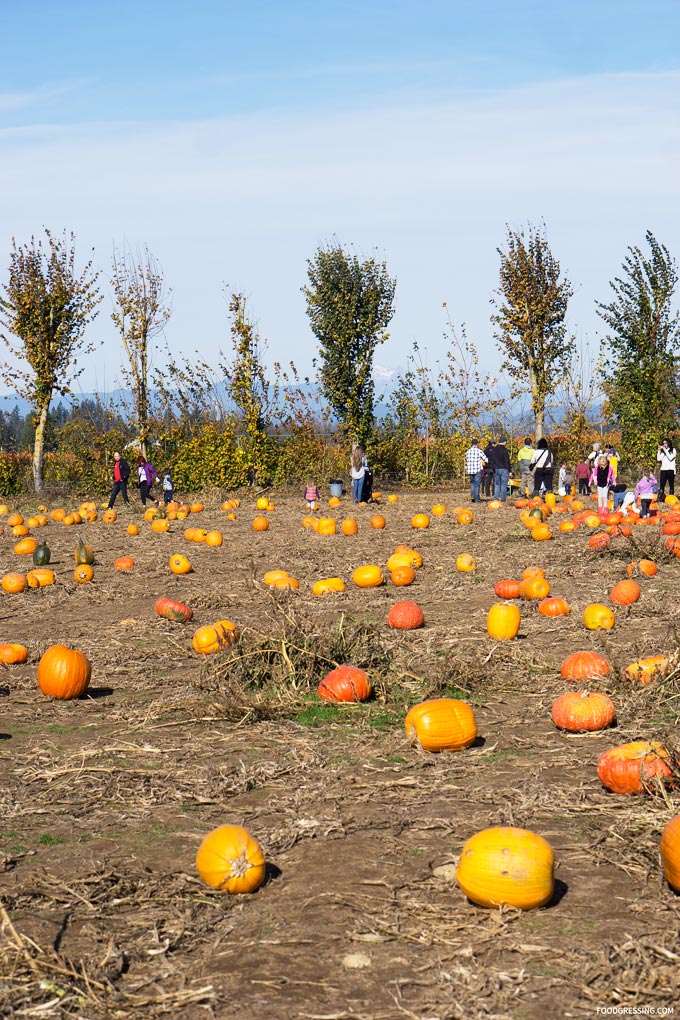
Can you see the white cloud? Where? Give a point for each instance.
(430, 182)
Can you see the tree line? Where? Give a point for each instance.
(236, 404)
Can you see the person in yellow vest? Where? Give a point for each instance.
(524, 458)
(613, 460)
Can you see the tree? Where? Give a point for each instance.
(349, 303)
(140, 314)
(532, 305)
(46, 308)
(247, 384)
(639, 366)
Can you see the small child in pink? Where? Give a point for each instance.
(312, 494)
(645, 490)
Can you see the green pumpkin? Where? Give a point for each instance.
(83, 553)
(42, 555)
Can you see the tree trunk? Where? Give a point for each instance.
(537, 404)
(39, 446)
(539, 418)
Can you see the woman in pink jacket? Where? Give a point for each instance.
(602, 477)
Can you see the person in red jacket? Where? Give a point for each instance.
(121, 473)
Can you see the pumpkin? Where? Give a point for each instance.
(420, 521)
(349, 526)
(405, 615)
(83, 553)
(14, 519)
(19, 530)
(414, 558)
(326, 526)
(580, 666)
(262, 503)
(507, 865)
(646, 567)
(465, 517)
(214, 637)
(625, 593)
(328, 584)
(334, 502)
(368, 576)
(151, 513)
(171, 609)
(438, 510)
(40, 577)
(160, 525)
(63, 673)
(58, 514)
(507, 589)
(124, 563)
(13, 654)
(532, 572)
(197, 508)
(629, 767)
(502, 621)
(286, 582)
(392, 498)
(133, 529)
(553, 607)
(231, 860)
(400, 560)
(402, 576)
(272, 577)
(346, 683)
(83, 573)
(643, 670)
(214, 539)
(378, 522)
(583, 711)
(534, 587)
(109, 516)
(465, 563)
(42, 555)
(26, 547)
(568, 526)
(495, 504)
(670, 852)
(541, 533)
(598, 617)
(260, 523)
(179, 564)
(441, 724)
(13, 583)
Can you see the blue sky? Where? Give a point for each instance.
(233, 139)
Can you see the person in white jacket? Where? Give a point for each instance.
(666, 458)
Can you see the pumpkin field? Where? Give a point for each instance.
(202, 644)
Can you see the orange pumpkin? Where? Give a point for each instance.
(326, 526)
(160, 525)
(553, 607)
(14, 519)
(349, 526)
(231, 860)
(26, 547)
(465, 563)
(40, 577)
(124, 563)
(214, 539)
(328, 585)
(505, 865)
(180, 564)
(534, 587)
(63, 673)
(629, 768)
(503, 621)
(368, 576)
(405, 615)
(465, 517)
(646, 567)
(378, 522)
(171, 609)
(420, 521)
(507, 589)
(13, 654)
(346, 683)
(402, 576)
(644, 670)
(214, 637)
(260, 523)
(625, 593)
(670, 853)
(598, 617)
(580, 666)
(441, 724)
(13, 583)
(583, 711)
(132, 529)
(83, 573)
(110, 516)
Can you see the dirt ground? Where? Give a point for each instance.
(105, 799)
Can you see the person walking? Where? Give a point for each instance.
(582, 474)
(666, 458)
(645, 490)
(357, 472)
(524, 458)
(121, 473)
(146, 476)
(312, 494)
(168, 487)
(500, 462)
(487, 473)
(602, 477)
(542, 467)
(475, 459)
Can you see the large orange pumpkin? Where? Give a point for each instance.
(180, 564)
(507, 865)
(420, 521)
(598, 617)
(171, 609)
(13, 654)
(405, 615)
(503, 621)
(581, 666)
(214, 637)
(346, 683)
(441, 724)
(13, 583)
(63, 673)
(260, 523)
(349, 526)
(625, 593)
(630, 767)
(670, 853)
(229, 858)
(583, 711)
(368, 576)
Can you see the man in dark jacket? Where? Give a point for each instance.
(487, 474)
(121, 473)
(500, 462)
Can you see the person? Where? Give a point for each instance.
(146, 476)
(312, 494)
(565, 480)
(524, 456)
(666, 458)
(168, 487)
(499, 461)
(613, 458)
(475, 459)
(583, 474)
(645, 490)
(594, 454)
(618, 492)
(602, 477)
(542, 467)
(357, 472)
(121, 473)
(367, 485)
(487, 472)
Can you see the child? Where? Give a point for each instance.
(602, 477)
(583, 474)
(565, 480)
(645, 490)
(311, 494)
(168, 487)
